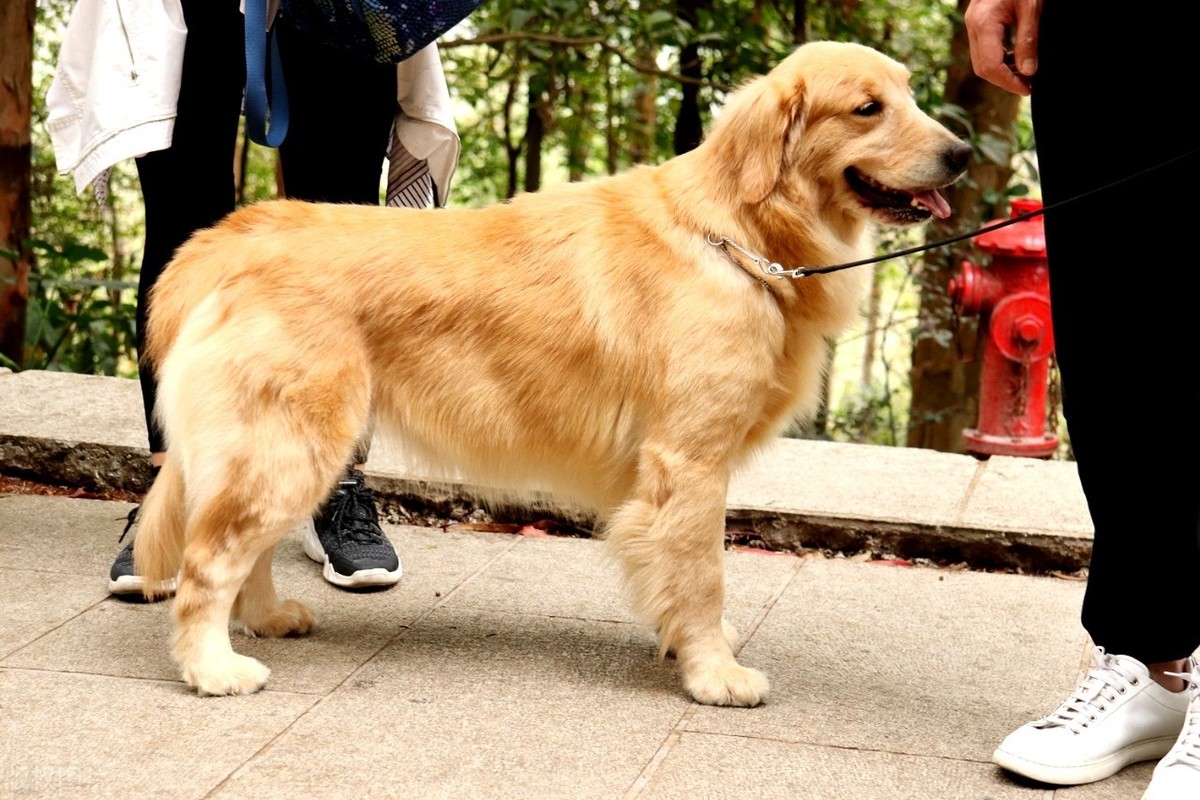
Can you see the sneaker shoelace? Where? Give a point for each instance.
(1187, 750)
(130, 521)
(352, 513)
(1105, 682)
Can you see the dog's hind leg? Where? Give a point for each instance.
(248, 485)
(220, 555)
(259, 609)
(244, 502)
(227, 566)
(260, 447)
(670, 540)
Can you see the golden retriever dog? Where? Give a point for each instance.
(589, 339)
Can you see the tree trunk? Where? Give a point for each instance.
(871, 335)
(612, 138)
(945, 386)
(688, 126)
(579, 95)
(16, 98)
(819, 427)
(535, 130)
(512, 147)
(645, 113)
(800, 22)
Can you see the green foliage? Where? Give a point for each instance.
(582, 66)
(867, 417)
(80, 312)
(77, 317)
(587, 66)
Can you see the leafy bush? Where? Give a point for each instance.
(79, 319)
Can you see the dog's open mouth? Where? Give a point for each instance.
(899, 205)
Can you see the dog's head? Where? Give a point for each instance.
(836, 124)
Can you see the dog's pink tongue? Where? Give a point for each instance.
(936, 204)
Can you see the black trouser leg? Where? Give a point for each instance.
(341, 113)
(190, 185)
(1123, 293)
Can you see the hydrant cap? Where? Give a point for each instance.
(1024, 239)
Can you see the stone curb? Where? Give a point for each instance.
(79, 431)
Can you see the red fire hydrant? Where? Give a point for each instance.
(1012, 298)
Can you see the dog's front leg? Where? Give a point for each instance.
(670, 539)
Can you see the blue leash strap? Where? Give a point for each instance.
(263, 110)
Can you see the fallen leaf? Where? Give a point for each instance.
(745, 548)
(485, 527)
(1069, 576)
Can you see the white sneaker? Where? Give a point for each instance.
(1177, 776)
(1117, 716)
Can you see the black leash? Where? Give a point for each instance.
(777, 270)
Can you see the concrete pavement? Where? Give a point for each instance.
(508, 666)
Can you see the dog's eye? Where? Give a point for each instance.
(868, 109)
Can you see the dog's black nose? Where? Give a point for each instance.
(957, 156)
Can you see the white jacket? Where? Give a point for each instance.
(116, 85)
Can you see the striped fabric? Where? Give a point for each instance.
(410, 183)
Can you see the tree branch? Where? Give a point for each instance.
(577, 42)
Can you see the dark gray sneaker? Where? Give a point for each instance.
(346, 538)
(123, 580)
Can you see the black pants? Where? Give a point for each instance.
(1123, 286)
(341, 113)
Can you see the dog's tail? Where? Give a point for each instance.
(161, 521)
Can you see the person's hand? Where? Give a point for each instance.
(988, 23)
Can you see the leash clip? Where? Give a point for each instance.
(776, 269)
(772, 268)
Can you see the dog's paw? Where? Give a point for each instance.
(289, 618)
(727, 685)
(232, 674)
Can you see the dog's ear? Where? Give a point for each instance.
(753, 133)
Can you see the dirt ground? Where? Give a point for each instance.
(11, 485)
(452, 518)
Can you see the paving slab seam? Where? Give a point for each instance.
(132, 678)
(46, 633)
(825, 745)
(767, 607)
(682, 724)
(660, 755)
(441, 601)
(240, 768)
(321, 698)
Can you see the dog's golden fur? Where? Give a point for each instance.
(587, 339)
